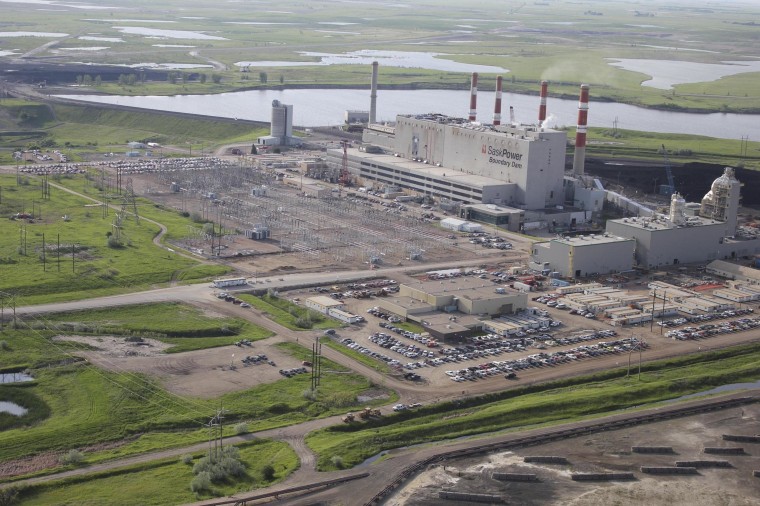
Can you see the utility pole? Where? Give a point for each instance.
(44, 264)
(58, 252)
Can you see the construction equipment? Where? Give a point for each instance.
(670, 188)
(345, 177)
(368, 413)
(348, 418)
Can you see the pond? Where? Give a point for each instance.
(166, 34)
(719, 390)
(400, 59)
(33, 34)
(12, 408)
(667, 73)
(15, 377)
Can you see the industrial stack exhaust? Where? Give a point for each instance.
(373, 95)
(474, 97)
(497, 103)
(579, 159)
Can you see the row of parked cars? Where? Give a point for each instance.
(710, 329)
(545, 359)
(391, 343)
(677, 322)
(350, 343)
(293, 372)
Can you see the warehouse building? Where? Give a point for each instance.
(323, 303)
(575, 257)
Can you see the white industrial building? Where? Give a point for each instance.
(323, 304)
(575, 257)
(734, 271)
(460, 225)
(690, 234)
(281, 129)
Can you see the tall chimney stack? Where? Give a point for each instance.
(497, 104)
(542, 106)
(579, 159)
(473, 97)
(373, 95)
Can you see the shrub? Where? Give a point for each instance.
(113, 242)
(8, 496)
(220, 466)
(5, 346)
(268, 472)
(186, 459)
(73, 457)
(337, 461)
(310, 394)
(241, 428)
(201, 482)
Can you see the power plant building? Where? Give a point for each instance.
(451, 158)
(281, 129)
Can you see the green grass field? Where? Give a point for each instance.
(162, 482)
(75, 405)
(65, 222)
(560, 401)
(289, 315)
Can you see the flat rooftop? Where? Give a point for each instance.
(661, 222)
(590, 240)
(458, 286)
(424, 170)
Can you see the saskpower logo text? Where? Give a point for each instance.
(502, 156)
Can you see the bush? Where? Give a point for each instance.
(241, 428)
(220, 466)
(186, 459)
(5, 346)
(310, 394)
(201, 482)
(73, 457)
(113, 242)
(8, 496)
(268, 472)
(337, 461)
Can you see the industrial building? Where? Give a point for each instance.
(323, 304)
(691, 233)
(281, 129)
(453, 308)
(583, 255)
(733, 271)
(514, 166)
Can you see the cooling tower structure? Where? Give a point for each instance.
(579, 158)
(373, 95)
(542, 105)
(473, 98)
(497, 103)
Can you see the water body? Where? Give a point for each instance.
(719, 390)
(166, 34)
(12, 408)
(400, 59)
(327, 107)
(15, 377)
(33, 34)
(667, 73)
(100, 39)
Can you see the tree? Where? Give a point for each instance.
(263, 77)
(87, 80)
(216, 78)
(171, 77)
(98, 80)
(79, 80)
(202, 78)
(282, 79)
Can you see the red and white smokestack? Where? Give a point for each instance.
(542, 106)
(474, 97)
(497, 104)
(373, 95)
(579, 158)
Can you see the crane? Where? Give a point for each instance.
(345, 177)
(671, 186)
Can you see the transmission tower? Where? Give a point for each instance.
(345, 177)
(128, 202)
